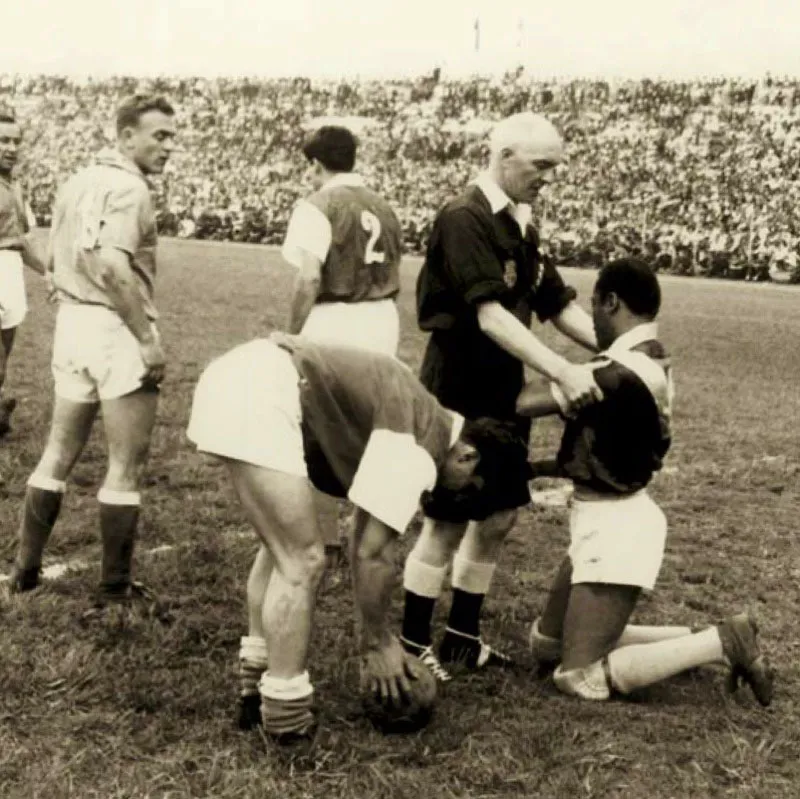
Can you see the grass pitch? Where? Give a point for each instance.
(111, 708)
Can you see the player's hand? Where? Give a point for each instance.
(386, 674)
(579, 386)
(155, 361)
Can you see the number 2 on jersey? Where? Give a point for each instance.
(372, 225)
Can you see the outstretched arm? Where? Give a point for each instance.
(536, 401)
(308, 276)
(577, 385)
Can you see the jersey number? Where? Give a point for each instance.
(372, 225)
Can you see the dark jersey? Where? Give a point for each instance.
(371, 432)
(363, 261)
(475, 256)
(616, 445)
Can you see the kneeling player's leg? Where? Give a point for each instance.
(546, 631)
(281, 508)
(595, 616)
(128, 423)
(69, 431)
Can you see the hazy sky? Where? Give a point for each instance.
(335, 37)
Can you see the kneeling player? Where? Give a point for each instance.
(284, 414)
(610, 451)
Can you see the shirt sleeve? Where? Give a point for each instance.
(470, 265)
(551, 294)
(392, 474)
(309, 231)
(120, 220)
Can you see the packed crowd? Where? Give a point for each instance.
(699, 178)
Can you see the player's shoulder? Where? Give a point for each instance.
(468, 208)
(645, 365)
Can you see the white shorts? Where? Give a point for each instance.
(617, 540)
(373, 326)
(13, 302)
(95, 355)
(247, 407)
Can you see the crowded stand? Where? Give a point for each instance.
(699, 178)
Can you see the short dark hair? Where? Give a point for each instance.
(634, 282)
(7, 116)
(503, 452)
(334, 147)
(136, 106)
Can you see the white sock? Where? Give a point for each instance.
(642, 634)
(472, 577)
(423, 579)
(639, 665)
(253, 649)
(284, 690)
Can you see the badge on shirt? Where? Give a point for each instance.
(510, 274)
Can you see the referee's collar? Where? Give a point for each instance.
(500, 201)
(634, 337)
(343, 179)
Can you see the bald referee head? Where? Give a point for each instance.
(524, 149)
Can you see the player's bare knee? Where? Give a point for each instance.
(303, 565)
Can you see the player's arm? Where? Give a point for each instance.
(384, 673)
(576, 324)
(305, 248)
(537, 401)
(112, 268)
(308, 277)
(577, 383)
(33, 255)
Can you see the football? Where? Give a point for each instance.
(412, 715)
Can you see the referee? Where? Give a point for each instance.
(482, 281)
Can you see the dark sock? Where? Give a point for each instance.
(118, 528)
(39, 515)
(417, 617)
(465, 612)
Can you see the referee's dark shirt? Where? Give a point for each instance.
(477, 254)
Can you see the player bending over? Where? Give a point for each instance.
(286, 414)
(610, 450)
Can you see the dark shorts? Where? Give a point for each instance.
(475, 378)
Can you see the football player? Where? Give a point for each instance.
(107, 350)
(611, 450)
(286, 414)
(344, 243)
(17, 247)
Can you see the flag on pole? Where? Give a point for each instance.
(477, 34)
